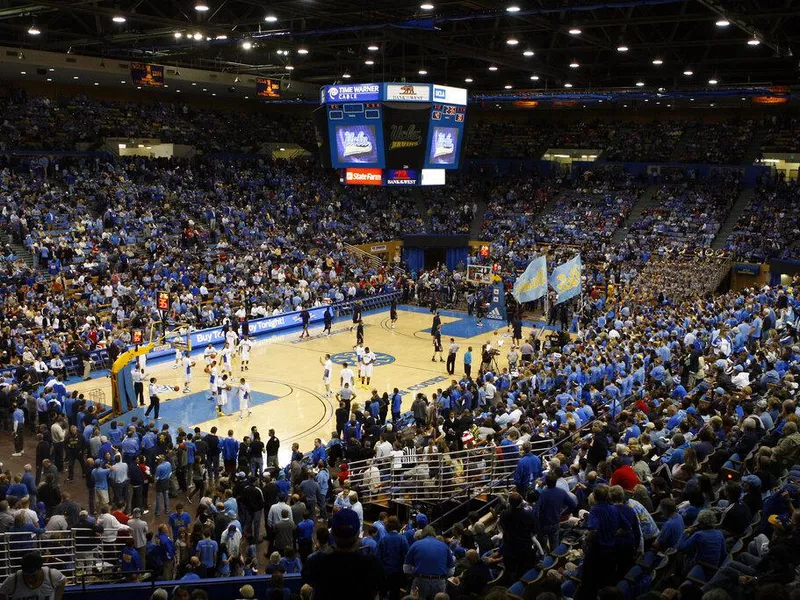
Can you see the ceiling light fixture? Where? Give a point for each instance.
(270, 18)
(492, 68)
(658, 61)
(528, 53)
(640, 84)
(75, 77)
(712, 82)
(122, 82)
(753, 42)
(289, 68)
(178, 35)
(118, 19)
(513, 8)
(369, 62)
(422, 72)
(508, 86)
(221, 37)
(198, 36)
(302, 50)
(622, 48)
(567, 85)
(49, 79)
(201, 6)
(468, 80)
(346, 76)
(688, 72)
(512, 41)
(373, 48)
(426, 6)
(97, 83)
(574, 65)
(23, 72)
(575, 31)
(723, 23)
(534, 78)
(247, 45)
(34, 30)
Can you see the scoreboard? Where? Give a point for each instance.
(393, 126)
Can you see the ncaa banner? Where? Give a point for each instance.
(497, 304)
(532, 284)
(566, 279)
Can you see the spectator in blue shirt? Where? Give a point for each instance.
(704, 544)
(552, 502)
(529, 469)
(178, 519)
(130, 561)
(162, 475)
(672, 529)
(431, 562)
(391, 551)
(207, 552)
(230, 452)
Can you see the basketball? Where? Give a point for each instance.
(176, 388)
(213, 355)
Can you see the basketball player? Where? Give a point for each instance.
(346, 375)
(437, 347)
(222, 395)
(327, 371)
(227, 358)
(177, 343)
(305, 318)
(356, 315)
(213, 379)
(244, 398)
(360, 332)
(393, 312)
(187, 363)
(231, 337)
(209, 354)
(359, 350)
(327, 318)
(244, 351)
(368, 362)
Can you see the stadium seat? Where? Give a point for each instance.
(517, 590)
(531, 576)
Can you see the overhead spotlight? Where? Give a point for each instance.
(75, 77)
(178, 35)
(346, 76)
(567, 85)
(723, 23)
(270, 18)
(373, 48)
(622, 48)
(640, 84)
(221, 37)
(422, 72)
(712, 82)
(302, 50)
(575, 31)
(573, 65)
(34, 30)
(688, 72)
(528, 53)
(118, 19)
(493, 68)
(201, 6)
(247, 45)
(23, 72)
(198, 36)
(513, 8)
(122, 82)
(534, 78)
(49, 79)
(97, 83)
(289, 68)
(426, 6)
(468, 80)
(512, 41)
(658, 61)
(753, 42)
(508, 86)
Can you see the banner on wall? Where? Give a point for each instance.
(566, 279)
(497, 304)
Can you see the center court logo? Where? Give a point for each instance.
(350, 358)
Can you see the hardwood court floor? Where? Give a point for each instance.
(286, 375)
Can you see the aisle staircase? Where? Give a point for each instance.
(745, 196)
(645, 201)
(477, 220)
(753, 150)
(550, 206)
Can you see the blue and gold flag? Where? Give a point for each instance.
(532, 284)
(566, 279)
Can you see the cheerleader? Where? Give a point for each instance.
(244, 398)
(244, 351)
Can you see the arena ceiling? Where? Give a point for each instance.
(483, 44)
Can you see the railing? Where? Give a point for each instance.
(435, 477)
(371, 259)
(80, 554)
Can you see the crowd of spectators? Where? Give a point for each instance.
(782, 134)
(686, 215)
(640, 142)
(723, 142)
(769, 227)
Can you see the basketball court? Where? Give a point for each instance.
(285, 374)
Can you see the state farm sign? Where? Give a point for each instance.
(363, 177)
